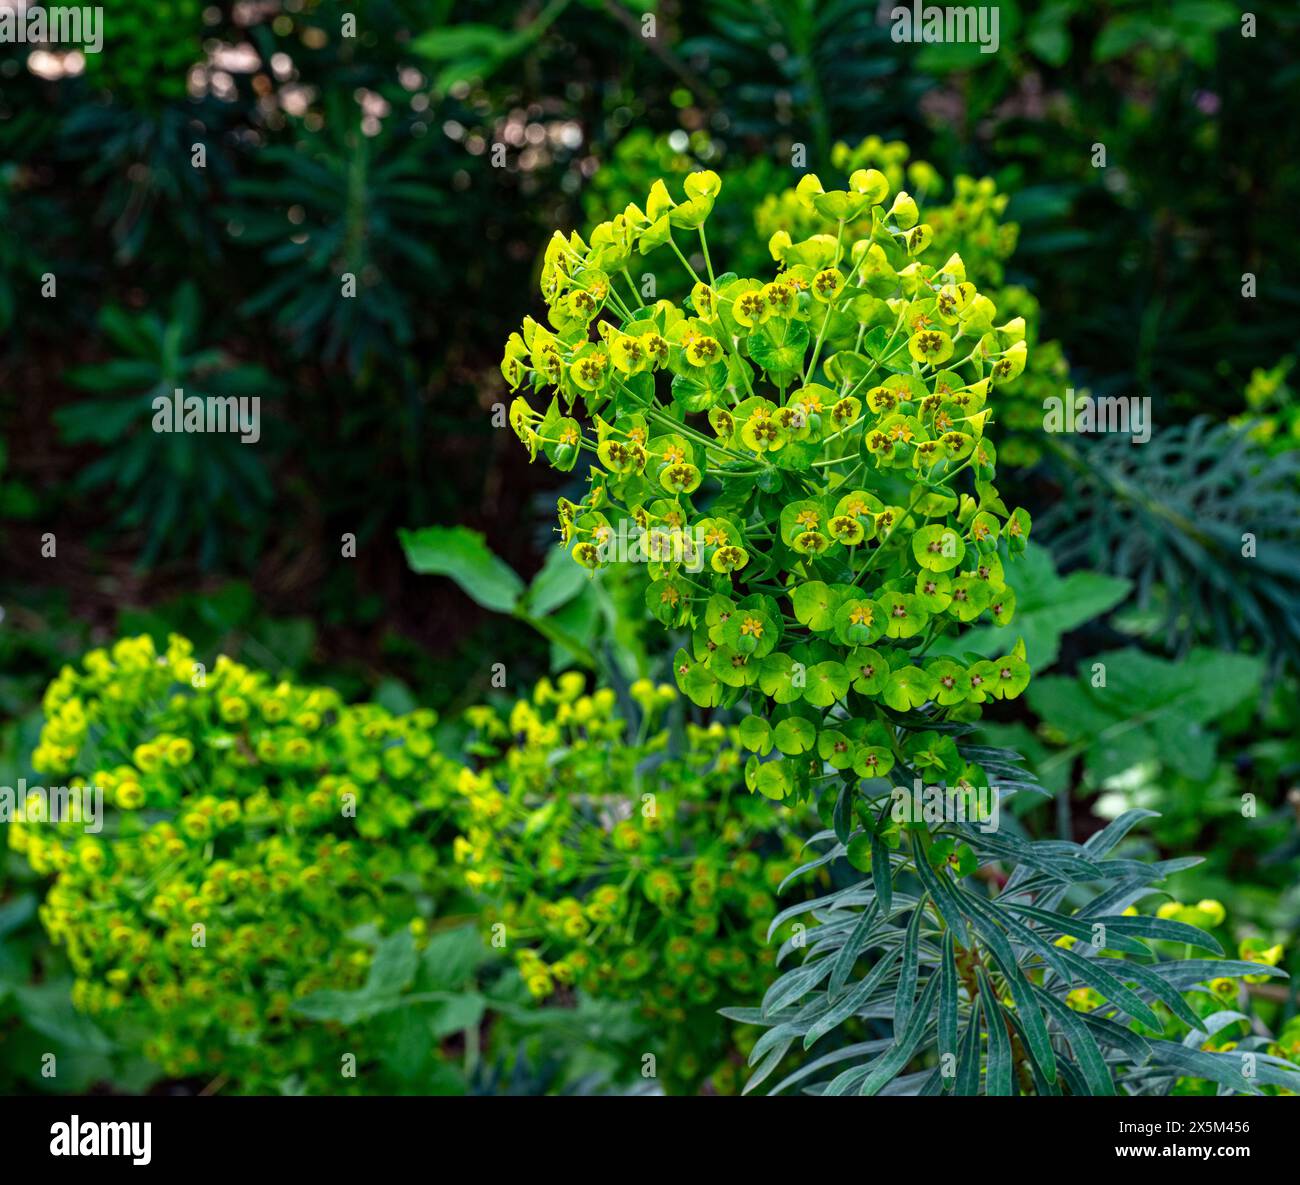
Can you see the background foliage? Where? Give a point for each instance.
(374, 156)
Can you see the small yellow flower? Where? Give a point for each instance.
(703, 351)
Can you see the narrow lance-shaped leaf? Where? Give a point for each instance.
(905, 994)
(882, 873)
(1096, 976)
(1031, 1019)
(948, 1004)
(968, 1064)
(942, 894)
(853, 999)
(997, 1074)
(853, 946)
(1088, 1058)
(905, 1044)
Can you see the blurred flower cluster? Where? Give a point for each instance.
(620, 867)
(253, 826)
(261, 836)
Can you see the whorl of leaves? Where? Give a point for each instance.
(975, 980)
(1200, 517)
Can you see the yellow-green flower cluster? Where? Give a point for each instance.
(837, 511)
(1272, 414)
(251, 826)
(1228, 994)
(969, 223)
(967, 219)
(618, 868)
(257, 835)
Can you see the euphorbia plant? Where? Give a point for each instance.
(802, 456)
(282, 879)
(839, 514)
(968, 220)
(1033, 975)
(615, 858)
(261, 839)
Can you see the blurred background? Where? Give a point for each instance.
(177, 211)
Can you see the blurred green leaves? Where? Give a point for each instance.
(1204, 522)
(176, 487)
(444, 968)
(474, 52)
(344, 222)
(463, 555)
(1149, 708)
(1048, 607)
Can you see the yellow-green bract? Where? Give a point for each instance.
(804, 452)
(261, 840)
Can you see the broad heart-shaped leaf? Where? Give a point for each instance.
(463, 555)
(772, 780)
(450, 959)
(779, 346)
(815, 604)
(1048, 606)
(391, 972)
(756, 735)
(827, 682)
(795, 735)
(702, 686)
(776, 677)
(559, 581)
(394, 964)
(701, 387)
(1150, 709)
